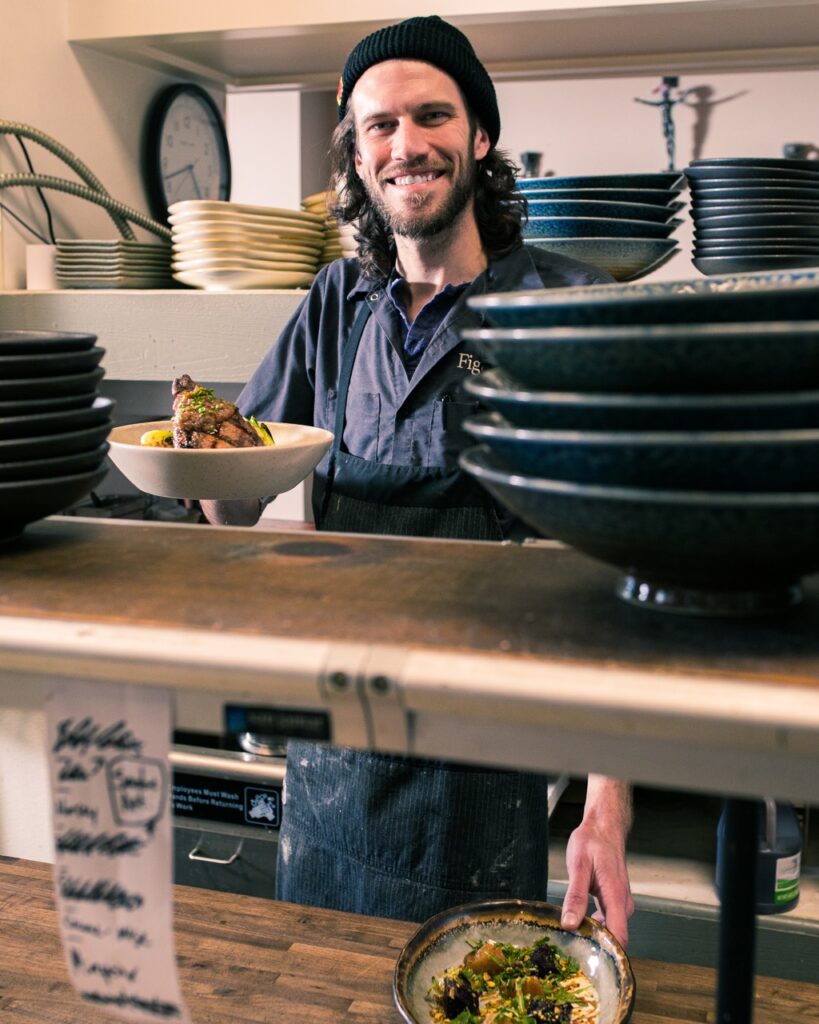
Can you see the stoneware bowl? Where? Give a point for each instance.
(626, 259)
(442, 942)
(221, 473)
(782, 295)
(600, 208)
(589, 410)
(716, 265)
(35, 424)
(697, 552)
(40, 342)
(597, 227)
(699, 460)
(24, 501)
(662, 180)
(653, 196)
(687, 358)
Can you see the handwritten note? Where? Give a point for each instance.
(110, 786)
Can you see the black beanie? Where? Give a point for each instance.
(437, 42)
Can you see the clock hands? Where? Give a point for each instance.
(189, 169)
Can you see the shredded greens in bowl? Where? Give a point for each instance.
(503, 983)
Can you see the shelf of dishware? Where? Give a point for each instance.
(155, 335)
(256, 43)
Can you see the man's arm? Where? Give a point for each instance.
(596, 858)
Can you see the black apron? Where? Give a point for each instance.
(397, 836)
(410, 501)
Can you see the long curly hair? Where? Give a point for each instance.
(499, 210)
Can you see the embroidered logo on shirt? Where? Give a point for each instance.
(469, 362)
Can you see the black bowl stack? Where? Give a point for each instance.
(622, 223)
(670, 429)
(53, 424)
(754, 213)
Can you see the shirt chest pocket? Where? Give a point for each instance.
(448, 435)
(362, 422)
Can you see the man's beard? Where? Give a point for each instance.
(418, 224)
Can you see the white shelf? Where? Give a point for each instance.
(156, 335)
(253, 43)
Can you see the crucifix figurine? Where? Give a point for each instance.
(666, 103)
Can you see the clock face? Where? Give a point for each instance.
(187, 153)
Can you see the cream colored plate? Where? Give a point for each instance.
(271, 225)
(221, 473)
(206, 207)
(240, 263)
(268, 243)
(241, 252)
(221, 280)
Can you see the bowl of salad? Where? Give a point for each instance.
(510, 962)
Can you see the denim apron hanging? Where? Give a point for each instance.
(397, 836)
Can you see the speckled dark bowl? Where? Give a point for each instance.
(24, 501)
(754, 460)
(774, 231)
(740, 172)
(626, 259)
(683, 358)
(744, 264)
(48, 363)
(702, 553)
(36, 342)
(586, 410)
(597, 227)
(655, 196)
(54, 466)
(744, 217)
(753, 248)
(784, 295)
(98, 412)
(762, 188)
(46, 387)
(601, 209)
(442, 942)
(661, 180)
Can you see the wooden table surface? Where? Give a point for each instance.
(243, 959)
(454, 595)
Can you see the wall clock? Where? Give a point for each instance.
(185, 153)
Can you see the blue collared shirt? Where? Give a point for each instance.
(418, 334)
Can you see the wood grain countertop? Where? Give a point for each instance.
(243, 959)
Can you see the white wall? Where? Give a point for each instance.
(594, 126)
(93, 104)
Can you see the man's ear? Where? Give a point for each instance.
(481, 144)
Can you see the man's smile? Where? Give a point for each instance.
(404, 180)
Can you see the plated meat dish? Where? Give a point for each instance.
(202, 420)
(499, 983)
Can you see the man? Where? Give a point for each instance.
(374, 354)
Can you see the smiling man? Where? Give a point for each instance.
(374, 354)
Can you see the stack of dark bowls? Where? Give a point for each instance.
(670, 429)
(754, 214)
(53, 424)
(622, 223)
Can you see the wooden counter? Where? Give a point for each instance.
(444, 649)
(251, 960)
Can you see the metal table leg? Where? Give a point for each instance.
(737, 934)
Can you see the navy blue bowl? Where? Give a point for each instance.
(24, 501)
(686, 358)
(760, 190)
(720, 217)
(48, 363)
(47, 446)
(753, 460)
(664, 197)
(783, 295)
(774, 162)
(49, 387)
(793, 231)
(706, 553)
(55, 465)
(626, 259)
(601, 209)
(66, 420)
(716, 265)
(739, 172)
(596, 227)
(573, 410)
(19, 343)
(662, 180)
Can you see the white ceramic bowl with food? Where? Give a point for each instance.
(442, 942)
(218, 473)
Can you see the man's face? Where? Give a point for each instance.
(415, 149)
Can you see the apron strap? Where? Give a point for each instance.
(344, 377)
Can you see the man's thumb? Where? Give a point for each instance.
(575, 903)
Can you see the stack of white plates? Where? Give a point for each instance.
(340, 240)
(114, 263)
(219, 246)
